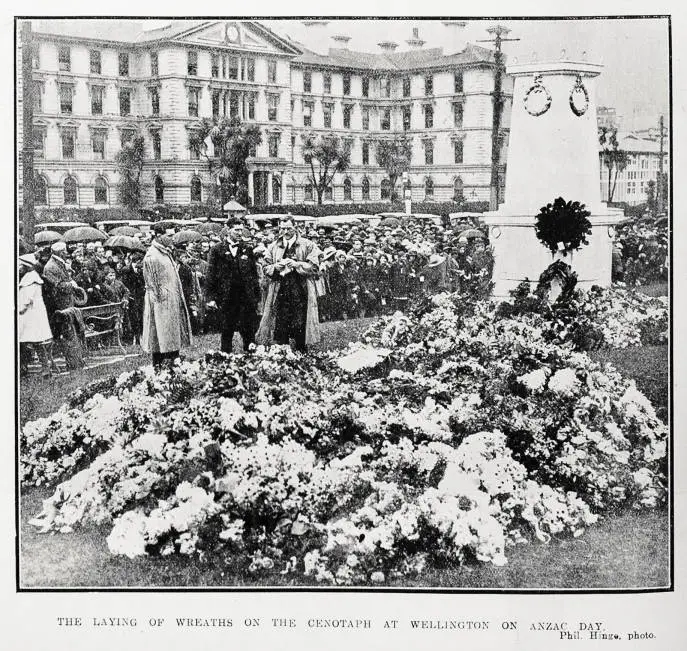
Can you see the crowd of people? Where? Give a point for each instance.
(275, 283)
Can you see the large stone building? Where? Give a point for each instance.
(99, 82)
(643, 165)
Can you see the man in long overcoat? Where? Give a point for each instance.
(291, 266)
(233, 284)
(166, 323)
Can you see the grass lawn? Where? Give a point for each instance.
(624, 551)
(648, 366)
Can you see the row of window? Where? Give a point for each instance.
(383, 84)
(70, 190)
(384, 116)
(68, 141)
(384, 190)
(101, 190)
(230, 66)
(242, 104)
(64, 61)
(68, 138)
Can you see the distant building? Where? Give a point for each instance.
(100, 82)
(643, 166)
(607, 116)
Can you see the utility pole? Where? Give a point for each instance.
(499, 32)
(27, 124)
(659, 180)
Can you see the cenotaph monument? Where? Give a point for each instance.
(553, 152)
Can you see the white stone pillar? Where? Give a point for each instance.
(269, 188)
(251, 191)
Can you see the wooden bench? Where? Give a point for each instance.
(103, 326)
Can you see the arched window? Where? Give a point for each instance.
(276, 189)
(458, 189)
(159, 190)
(385, 190)
(40, 190)
(100, 190)
(366, 189)
(347, 190)
(308, 191)
(329, 193)
(429, 189)
(196, 189)
(70, 192)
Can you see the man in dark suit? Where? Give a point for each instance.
(233, 285)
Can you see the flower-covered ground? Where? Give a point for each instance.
(464, 434)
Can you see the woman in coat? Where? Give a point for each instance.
(291, 267)
(166, 323)
(34, 329)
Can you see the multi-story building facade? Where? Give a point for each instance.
(643, 166)
(99, 83)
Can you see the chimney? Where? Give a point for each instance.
(415, 43)
(316, 38)
(453, 39)
(388, 46)
(341, 40)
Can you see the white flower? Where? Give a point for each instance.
(534, 380)
(377, 577)
(564, 382)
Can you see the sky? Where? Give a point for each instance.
(634, 52)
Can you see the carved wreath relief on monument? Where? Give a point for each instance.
(537, 99)
(579, 98)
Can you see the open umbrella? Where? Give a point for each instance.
(131, 231)
(84, 234)
(471, 233)
(391, 221)
(124, 242)
(186, 237)
(47, 237)
(207, 228)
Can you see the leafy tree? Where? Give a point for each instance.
(129, 161)
(614, 158)
(232, 142)
(394, 156)
(326, 156)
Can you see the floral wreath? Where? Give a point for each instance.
(563, 226)
(577, 88)
(535, 91)
(561, 271)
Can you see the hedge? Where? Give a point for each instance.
(314, 210)
(204, 211)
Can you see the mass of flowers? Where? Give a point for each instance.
(643, 250)
(448, 435)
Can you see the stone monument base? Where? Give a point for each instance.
(519, 255)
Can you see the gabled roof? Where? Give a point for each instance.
(409, 60)
(126, 31)
(132, 31)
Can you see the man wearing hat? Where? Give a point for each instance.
(58, 275)
(233, 286)
(33, 326)
(166, 323)
(324, 297)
